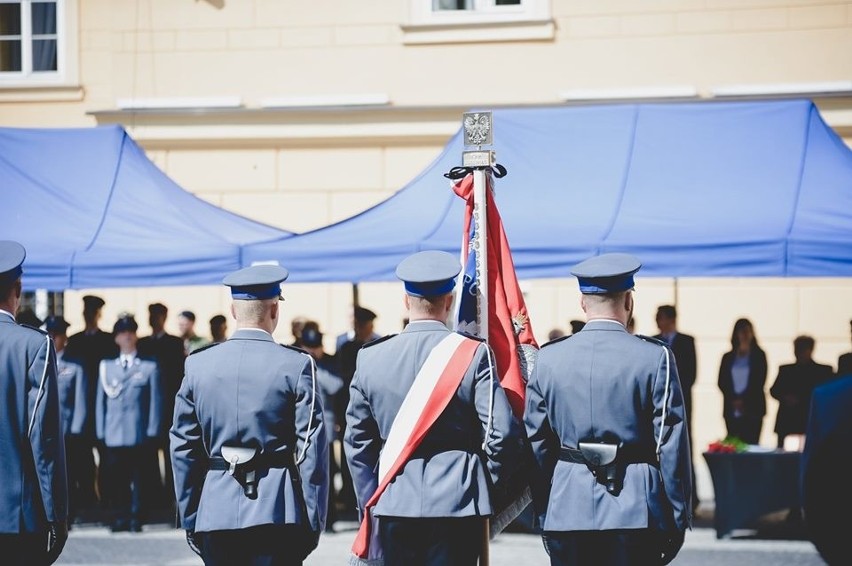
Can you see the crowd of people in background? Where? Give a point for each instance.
(116, 428)
(117, 391)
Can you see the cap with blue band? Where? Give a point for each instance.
(429, 273)
(257, 282)
(12, 256)
(606, 273)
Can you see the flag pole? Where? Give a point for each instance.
(478, 131)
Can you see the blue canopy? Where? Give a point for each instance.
(93, 211)
(698, 189)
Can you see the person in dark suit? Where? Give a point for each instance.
(348, 345)
(432, 500)
(88, 348)
(167, 351)
(742, 380)
(34, 488)
(844, 362)
(683, 348)
(248, 442)
(826, 491)
(793, 388)
(606, 421)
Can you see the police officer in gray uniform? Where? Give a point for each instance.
(248, 445)
(433, 511)
(606, 421)
(127, 421)
(33, 490)
(72, 401)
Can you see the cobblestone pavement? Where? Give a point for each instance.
(159, 545)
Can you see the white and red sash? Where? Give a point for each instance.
(435, 384)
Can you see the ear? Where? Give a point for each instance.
(583, 303)
(233, 311)
(406, 301)
(448, 302)
(274, 310)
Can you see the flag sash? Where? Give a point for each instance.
(430, 393)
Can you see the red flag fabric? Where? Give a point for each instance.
(509, 327)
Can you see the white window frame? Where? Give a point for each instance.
(483, 12)
(66, 49)
(486, 21)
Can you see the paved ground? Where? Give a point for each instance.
(773, 543)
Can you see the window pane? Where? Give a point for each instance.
(10, 56)
(10, 19)
(438, 5)
(44, 55)
(44, 18)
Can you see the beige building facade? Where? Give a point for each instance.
(300, 114)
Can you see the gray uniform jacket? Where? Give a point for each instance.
(34, 486)
(600, 383)
(450, 474)
(252, 392)
(72, 395)
(128, 403)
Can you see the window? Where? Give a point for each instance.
(432, 21)
(34, 42)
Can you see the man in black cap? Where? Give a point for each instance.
(606, 422)
(88, 348)
(248, 443)
(430, 434)
(347, 351)
(168, 352)
(330, 385)
(72, 401)
(34, 488)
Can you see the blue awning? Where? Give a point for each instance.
(93, 211)
(699, 189)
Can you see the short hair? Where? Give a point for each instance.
(803, 342)
(252, 311)
(189, 315)
(668, 311)
(218, 320)
(158, 308)
(432, 306)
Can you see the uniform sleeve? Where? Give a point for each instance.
(45, 433)
(543, 443)
(100, 401)
(156, 405)
(361, 442)
(78, 419)
(312, 443)
(189, 458)
(670, 429)
(503, 444)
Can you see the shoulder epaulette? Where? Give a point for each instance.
(377, 340)
(205, 347)
(471, 336)
(652, 340)
(39, 330)
(294, 348)
(555, 340)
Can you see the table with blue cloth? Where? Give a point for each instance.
(748, 485)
